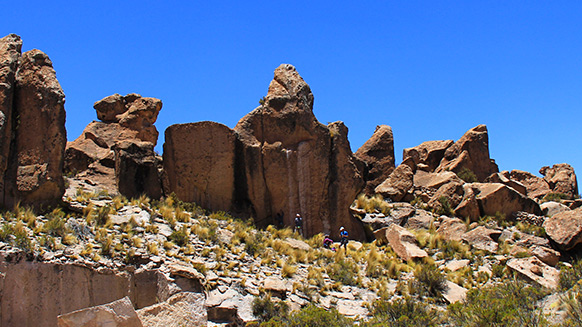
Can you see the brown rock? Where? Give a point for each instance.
(546, 255)
(565, 228)
(182, 309)
(535, 270)
(452, 229)
(562, 179)
(403, 243)
(398, 183)
(471, 152)
(536, 187)
(136, 169)
(435, 180)
(452, 191)
(495, 198)
(468, 207)
(118, 313)
(504, 178)
(482, 238)
(378, 154)
(429, 153)
(551, 208)
(34, 175)
(199, 162)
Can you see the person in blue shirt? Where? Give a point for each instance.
(344, 238)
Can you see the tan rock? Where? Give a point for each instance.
(398, 183)
(551, 208)
(455, 265)
(429, 153)
(504, 178)
(469, 206)
(495, 198)
(565, 228)
(452, 229)
(403, 243)
(536, 187)
(119, 313)
(546, 255)
(562, 179)
(535, 270)
(435, 180)
(454, 293)
(482, 238)
(471, 151)
(182, 309)
(378, 154)
(452, 191)
(297, 244)
(421, 219)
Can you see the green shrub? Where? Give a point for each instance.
(467, 175)
(22, 240)
(311, 316)
(444, 207)
(403, 312)
(55, 227)
(573, 305)
(265, 309)
(556, 197)
(428, 281)
(102, 218)
(6, 231)
(512, 303)
(343, 270)
(180, 237)
(569, 276)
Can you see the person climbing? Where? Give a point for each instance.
(328, 242)
(344, 238)
(298, 224)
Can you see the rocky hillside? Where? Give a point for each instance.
(103, 231)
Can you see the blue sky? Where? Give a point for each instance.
(429, 69)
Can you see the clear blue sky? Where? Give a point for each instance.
(429, 69)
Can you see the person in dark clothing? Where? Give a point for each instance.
(298, 224)
(343, 238)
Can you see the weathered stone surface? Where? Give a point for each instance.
(469, 206)
(472, 152)
(535, 270)
(494, 198)
(551, 208)
(562, 179)
(429, 153)
(546, 255)
(118, 313)
(199, 161)
(452, 229)
(536, 187)
(452, 192)
(421, 219)
(398, 183)
(455, 265)
(378, 154)
(482, 238)
(504, 178)
(136, 169)
(403, 243)
(565, 228)
(34, 174)
(435, 180)
(10, 49)
(182, 309)
(297, 244)
(454, 293)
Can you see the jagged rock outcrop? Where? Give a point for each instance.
(124, 118)
(565, 228)
(428, 153)
(32, 126)
(398, 183)
(285, 162)
(378, 154)
(471, 151)
(561, 179)
(136, 169)
(536, 187)
(505, 178)
(496, 198)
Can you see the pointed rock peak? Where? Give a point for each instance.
(478, 129)
(11, 42)
(37, 58)
(288, 86)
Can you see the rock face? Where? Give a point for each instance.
(471, 152)
(136, 169)
(429, 153)
(536, 187)
(182, 309)
(278, 160)
(494, 198)
(561, 179)
(565, 228)
(32, 123)
(397, 184)
(124, 118)
(118, 313)
(378, 154)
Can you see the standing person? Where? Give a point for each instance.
(279, 218)
(298, 224)
(344, 238)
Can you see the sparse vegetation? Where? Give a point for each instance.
(372, 204)
(467, 175)
(556, 197)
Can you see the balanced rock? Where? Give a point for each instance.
(429, 153)
(536, 187)
(470, 152)
(398, 183)
(378, 154)
(34, 173)
(562, 179)
(565, 228)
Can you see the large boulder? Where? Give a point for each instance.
(536, 187)
(118, 313)
(136, 169)
(34, 175)
(565, 228)
(496, 198)
(398, 183)
(470, 152)
(505, 178)
(402, 241)
(429, 153)
(562, 179)
(434, 180)
(182, 309)
(535, 270)
(378, 154)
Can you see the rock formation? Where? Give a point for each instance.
(136, 169)
(285, 162)
(561, 179)
(32, 123)
(536, 187)
(565, 229)
(428, 154)
(123, 118)
(378, 154)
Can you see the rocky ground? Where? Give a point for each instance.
(171, 259)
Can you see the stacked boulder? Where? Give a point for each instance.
(117, 152)
(277, 162)
(32, 126)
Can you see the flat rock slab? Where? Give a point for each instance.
(482, 238)
(403, 243)
(118, 313)
(565, 228)
(452, 229)
(182, 309)
(454, 292)
(535, 270)
(297, 244)
(455, 265)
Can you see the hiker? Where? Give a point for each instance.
(344, 238)
(298, 224)
(279, 218)
(327, 242)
